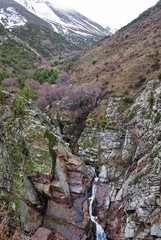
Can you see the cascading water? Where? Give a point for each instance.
(100, 234)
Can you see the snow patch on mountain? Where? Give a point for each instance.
(63, 19)
(44, 11)
(10, 18)
(27, 4)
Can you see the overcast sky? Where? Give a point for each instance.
(112, 13)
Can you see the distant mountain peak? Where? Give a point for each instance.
(64, 19)
(72, 25)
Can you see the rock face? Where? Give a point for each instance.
(45, 184)
(126, 151)
(47, 187)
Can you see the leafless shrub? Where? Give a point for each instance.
(49, 94)
(63, 80)
(9, 82)
(43, 95)
(84, 97)
(33, 84)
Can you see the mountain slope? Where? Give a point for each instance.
(16, 59)
(67, 22)
(11, 8)
(126, 60)
(31, 29)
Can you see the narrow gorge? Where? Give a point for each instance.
(53, 194)
(80, 123)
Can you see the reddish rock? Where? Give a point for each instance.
(101, 195)
(85, 208)
(142, 163)
(70, 231)
(68, 213)
(59, 236)
(116, 218)
(130, 171)
(30, 218)
(43, 234)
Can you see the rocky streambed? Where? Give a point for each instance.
(47, 188)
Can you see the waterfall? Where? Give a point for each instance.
(100, 234)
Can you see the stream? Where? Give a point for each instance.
(100, 234)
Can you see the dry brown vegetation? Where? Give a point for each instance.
(126, 61)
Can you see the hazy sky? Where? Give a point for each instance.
(112, 13)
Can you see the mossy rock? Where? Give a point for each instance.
(14, 206)
(157, 118)
(97, 118)
(133, 112)
(52, 141)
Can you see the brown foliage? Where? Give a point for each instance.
(9, 82)
(84, 97)
(33, 84)
(49, 94)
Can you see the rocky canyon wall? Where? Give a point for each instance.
(47, 188)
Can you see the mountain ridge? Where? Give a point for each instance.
(73, 26)
(25, 24)
(55, 13)
(124, 62)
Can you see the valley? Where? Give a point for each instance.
(80, 121)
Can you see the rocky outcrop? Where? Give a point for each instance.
(47, 188)
(44, 184)
(124, 145)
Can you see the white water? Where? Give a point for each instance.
(100, 234)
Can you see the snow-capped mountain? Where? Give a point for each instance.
(14, 15)
(76, 28)
(33, 31)
(62, 19)
(10, 18)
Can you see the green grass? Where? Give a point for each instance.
(133, 112)
(45, 41)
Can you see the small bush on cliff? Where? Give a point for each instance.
(150, 99)
(28, 93)
(1, 96)
(133, 112)
(46, 75)
(94, 62)
(22, 78)
(4, 74)
(128, 99)
(157, 118)
(19, 108)
(159, 75)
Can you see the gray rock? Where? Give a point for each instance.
(156, 230)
